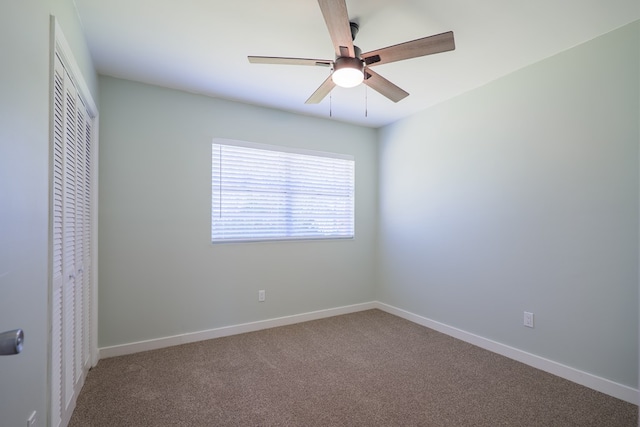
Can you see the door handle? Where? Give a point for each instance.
(11, 342)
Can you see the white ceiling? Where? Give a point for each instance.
(201, 46)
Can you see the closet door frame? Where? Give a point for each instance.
(59, 48)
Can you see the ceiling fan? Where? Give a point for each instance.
(352, 67)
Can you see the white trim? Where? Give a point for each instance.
(603, 385)
(282, 148)
(586, 379)
(154, 344)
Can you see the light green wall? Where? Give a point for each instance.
(159, 273)
(520, 195)
(24, 193)
(523, 195)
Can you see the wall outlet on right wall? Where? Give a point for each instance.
(528, 319)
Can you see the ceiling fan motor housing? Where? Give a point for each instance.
(347, 71)
(347, 62)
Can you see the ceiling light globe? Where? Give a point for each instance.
(348, 72)
(347, 77)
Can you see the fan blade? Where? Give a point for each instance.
(413, 49)
(384, 86)
(337, 19)
(322, 91)
(289, 61)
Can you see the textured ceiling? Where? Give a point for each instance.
(201, 46)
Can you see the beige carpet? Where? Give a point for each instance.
(363, 369)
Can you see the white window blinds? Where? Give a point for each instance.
(261, 192)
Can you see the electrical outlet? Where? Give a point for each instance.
(528, 319)
(261, 295)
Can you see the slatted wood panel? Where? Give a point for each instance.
(82, 274)
(57, 240)
(71, 231)
(88, 242)
(69, 241)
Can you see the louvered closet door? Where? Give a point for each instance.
(69, 241)
(79, 281)
(57, 243)
(86, 140)
(72, 151)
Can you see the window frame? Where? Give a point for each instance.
(290, 150)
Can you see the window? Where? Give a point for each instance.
(262, 192)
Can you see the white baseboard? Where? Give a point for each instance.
(154, 344)
(586, 379)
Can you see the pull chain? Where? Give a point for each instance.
(366, 101)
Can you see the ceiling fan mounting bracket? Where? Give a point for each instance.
(372, 59)
(357, 54)
(354, 29)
